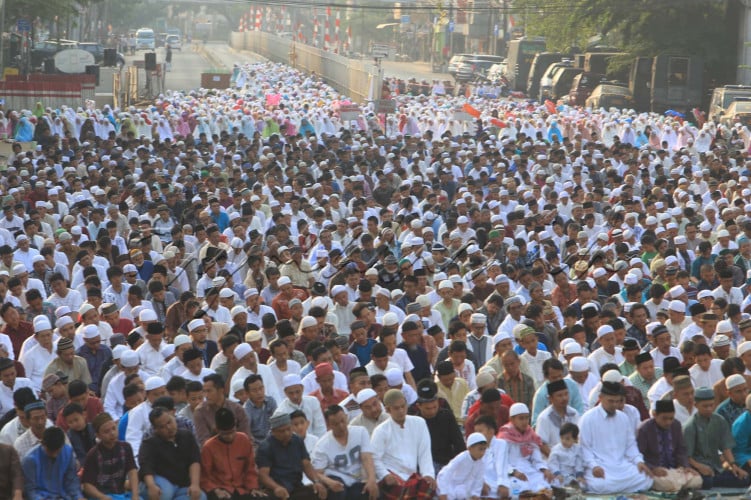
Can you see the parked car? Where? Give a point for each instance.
(48, 49)
(562, 82)
(174, 42)
(497, 71)
(722, 97)
(455, 61)
(546, 82)
(98, 50)
(582, 87)
(738, 112)
(610, 95)
(474, 66)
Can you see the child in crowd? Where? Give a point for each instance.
(463, 477)
(566, 460)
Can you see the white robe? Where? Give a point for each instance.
(606, 445)
(462, 478)
(402, 450)
(530, 466)
(496, 466)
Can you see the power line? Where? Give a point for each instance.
(548, 8)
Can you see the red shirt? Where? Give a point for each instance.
(337, 397)
(93, 408)
(18, 335)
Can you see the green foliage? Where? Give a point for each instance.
(706, 28)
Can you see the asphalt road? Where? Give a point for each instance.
(187, 67)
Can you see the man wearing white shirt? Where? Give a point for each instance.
(256, 310)
(557, 413)
(249, 365)
(150, 352)
(63, 296)
(295, 400)
(9, 383)
(36, 359)
(706, 371)
(113, 399)
(608, 352)
(194, 367)
(344, 455)
(24, 253)
(401, 446)
(281, 365)
(138, 417)
(661, 339)
(579, 372)
(379, 360)
(726, 290)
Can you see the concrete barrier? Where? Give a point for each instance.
(351, 77)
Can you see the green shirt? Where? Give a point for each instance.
(706, 437)
(626, 368)
(643, 384)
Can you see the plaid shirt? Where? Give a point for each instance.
(521, 388)
(108, 469)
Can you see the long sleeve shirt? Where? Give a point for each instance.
(138, 424)
(605, 440)
(462, 478)
(402, 450)
(662, 447)
(51, 478)
(229, 466)
(11, 475)
(742, 434)
(205, 422)
(312, 409)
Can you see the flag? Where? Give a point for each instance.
(471, 110)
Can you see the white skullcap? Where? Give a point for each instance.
(578, 364)
(291, 380)
(241, 350)
(518, 409)
(154, 383)
(365, 395)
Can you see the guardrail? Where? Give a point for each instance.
(351, 77)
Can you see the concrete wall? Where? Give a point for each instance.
(351, 77)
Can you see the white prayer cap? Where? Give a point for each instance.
(734, 381)
(612, 376)
(677, 306)
(154, 383)
(604, 330)
(578, 364)
(743, 348)
(475, 438)
(91, 332)
(394, 377)
(500, 336)
(182, 339)
(195, 324)
(241, 350)
(365, 395)
(572, 348)
(518, 409)
(291, 380)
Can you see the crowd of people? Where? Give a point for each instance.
(235, 294)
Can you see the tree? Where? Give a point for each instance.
(705, 28)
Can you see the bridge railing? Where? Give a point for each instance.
(351, 77)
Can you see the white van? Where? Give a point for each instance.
(145, 39)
